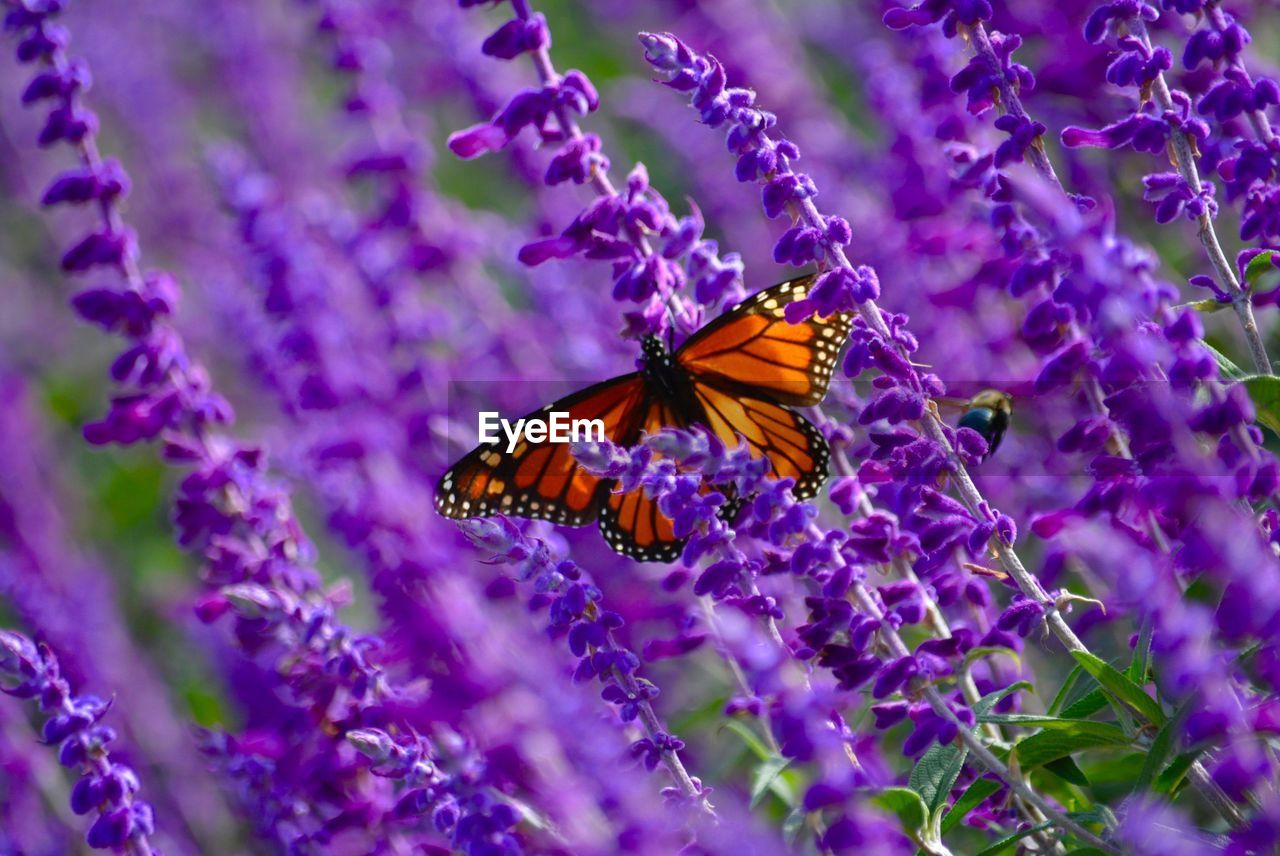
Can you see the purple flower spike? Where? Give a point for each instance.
(813, 238)
(652, 253)
(107, 789)
(500, 697)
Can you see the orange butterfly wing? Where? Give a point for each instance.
(631, 522)
(753, 346)
(543, 481)
(793, 445)
(750, 367)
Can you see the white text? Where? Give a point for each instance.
(557, 428)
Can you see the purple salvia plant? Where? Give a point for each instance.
(575, 609)
(407, 233)
(1124, 410)
(446, 67)
(632, 227)
(818, 238)
(107, 789)
(381, 519)
(1244, 153)
(759, 156)
(383, 516)
(70, 598)
(671, 467)
(256, 555)
(375, 511)
(617, 227)
(753, 38)
(283, 307)
(27, 790)
(1163, 120)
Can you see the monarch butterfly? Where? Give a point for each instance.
(742, 374)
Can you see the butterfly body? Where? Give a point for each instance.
(666, 379)
(738, 377)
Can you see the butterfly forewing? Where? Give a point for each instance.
(543, 481)
(753, 345)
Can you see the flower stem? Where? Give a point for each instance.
(1183, 156)
(985, 757)
(1010, 102)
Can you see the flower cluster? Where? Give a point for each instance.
(653, 254)
(1244, 151)
(905, 460)
(1141, 65)
(574, 609)
(257, 559)
(122, 823)
(761, 158)
(1018, 590)
(480, 826)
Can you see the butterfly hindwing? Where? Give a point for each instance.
(754, 346)
(794, 446)
(543, 481)
(631, 522)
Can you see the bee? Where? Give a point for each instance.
(989, 413)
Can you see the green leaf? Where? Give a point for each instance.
(768, 773)
(1060, 698)
(1264, 391)
(1171, 778)
(907, 805)
(991, 650)
(1229, 370)
(935, 774)
(1207, 306)
(1045, 746)
(1065, 768)
(1137, 671)
(767, 779)
(1098, 814)
(793, 826)
(1031, 720)
(754, 743)
(1121, 687)
(1258, 267)
(1087, 705)
(1012, 839)
(968, 801)
(983, 705)
(1111, 772)
(1165, 740)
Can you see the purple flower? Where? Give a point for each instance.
(952, 14)
(502, 697)
(107, 788)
